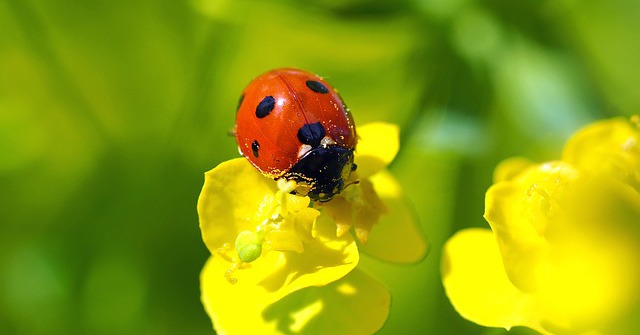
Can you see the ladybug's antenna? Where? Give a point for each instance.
(351, 183)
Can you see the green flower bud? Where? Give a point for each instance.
(249, 246)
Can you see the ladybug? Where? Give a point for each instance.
(292, 124)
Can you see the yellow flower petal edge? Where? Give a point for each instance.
(231, 194)
(609, 147)
(378, 144)
(233, 201)
(591, 273)
(312, 310)
(571, 242)
(477, 285)
(357, 304)
(510, 168)
(232, 308)
(519, 212)
(397, 236)
(273, 276)
(565, 243)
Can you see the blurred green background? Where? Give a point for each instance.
(110, 112)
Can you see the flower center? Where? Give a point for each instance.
(284, 223)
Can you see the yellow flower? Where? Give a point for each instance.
(563, 255)
(282, 264)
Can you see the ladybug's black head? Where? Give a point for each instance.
(324, 169)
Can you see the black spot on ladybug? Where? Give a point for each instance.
(317, 86)
(255, 146)
(353, 167)
(240, 102)
(311, 134)
(265, 106)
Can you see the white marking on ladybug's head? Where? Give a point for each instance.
(327, 141)
(304, 149)
(240, 151)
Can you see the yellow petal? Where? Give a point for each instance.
(284, 240)
(510, 168)
(571, 241)
(609, 147)
(396, 237)
(519, 212)
(522, 247)
(295, 230)
(232, 307)
(272, 277)
(367, 210)
(378, 145)
(304, 222)
(232, 193)
(477, 285)
(592, 272)
(355, 304)
(296, 203)
(325, 259)
(340, 211)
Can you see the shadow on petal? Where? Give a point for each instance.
(323, 261)
(397, 237)
(355, 304)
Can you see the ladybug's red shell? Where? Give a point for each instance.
(278, 108)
